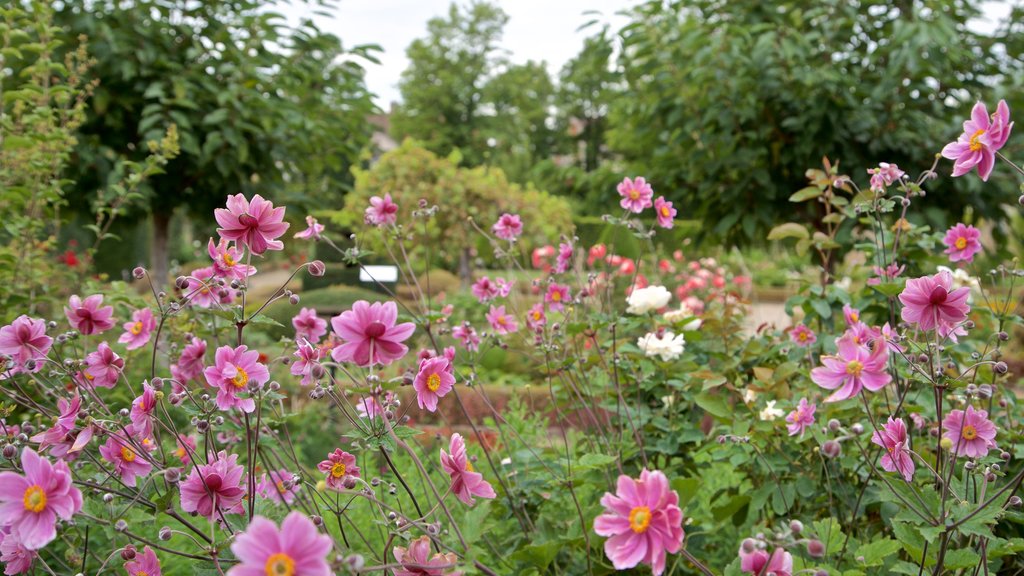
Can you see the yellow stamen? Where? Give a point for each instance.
(969, 432)
(136, 328)
(556, 296)
(35, 499)
(127, 454)
(634, 194)
(241, 378)
(666, 212)
(640, 519)
(975, 143)
(228, 260)
(433, 382)
(854, 368)
(961, 243)
(338, 470)
(280, 564)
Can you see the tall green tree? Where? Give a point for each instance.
(587, 85)
(519, 130)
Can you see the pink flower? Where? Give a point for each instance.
(104, 366)
(539, 257)
(25, 340)
(227, 260)
(369, 407)
(87, 316)
(466, 482)
(798, 420)
(664, 211)
(417, 561)
(887, 274)
(136, 333)
(234, 372)
(255, 225)
(758, 563)
(277, 485)
(893, 437)
(190, 363)
(186, 447)
(31, 503)
(17, 559)
(312, 231)
(308, 325)
(564, 260)
(468, 336)
(802, 336)
(128, 463)
(297, 549)
(213, 487)
(371, 335)
(62, 427)
(307, 357)
(485, 290)
(382, 211)
(596, 253)
(971, 432)
(501, 322)
(146, 564)
(535, 317)
(556, 297)
(508, 227)
(643, 520)
(962, 243)
(851, 315)
(432, 382)
(982, 137)
(930, 301)
(885, 175)
(852, 369)
(142, 411)
(338, 465)
(202, 290)
(636, 194)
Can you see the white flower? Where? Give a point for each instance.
(749, 396)
(770, 412)
(681, 314)
(668, 346)
(643, 300)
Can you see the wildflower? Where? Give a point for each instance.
(799, 419)
(971, 433)
(145, 565)
(31, 503)
(500, 321)
(227, 260)
(485, 290)
(25, 340)
(596, 253)
(308, 325)
(214, 487)
(190, 363)
(893, 437)
(644, 300)
(417, 561)
(887, 274)
(564, 260)
(468, 336)
(371, 335)
(535, 317)
(202, 289)
(770, 412)
(664, 344)
(682, 313)
(89, 316)
(235, 370)
(62, 428)
(931, 301)
(636, 194)
(962, 243)
(983, 136)
(643, 521)
(307, 357)
(851, 369)
(255, 225)
(297, 549)
(508, 227)
(141, 413)
(802, 336)
(16, 558)
(312, 231)
(664, 211)
(851, 315)
(381, 211)
(466, 482)
(186, 446)
(104, 366)
(539, 257)
(758, 562)
(137, 332)
(277, 486)
(338, 465)
(556, 297)
(432, 382)
(885, 175)
(128, 463)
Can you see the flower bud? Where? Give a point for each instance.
(748, 545)
(796, 527)
(120, 526)
(108, 498)
(1003, 336)
(1000, 367)
(946, 443)
(831, 449)
(1014, 502)
(165, 534)
(181, 282)
(128, 552)
(834, 425)
(293, 299)
(317, 268)
(10, 452)
(349, 482)
(172, 475)
(139, 272)
(815, 549)
(857, 428)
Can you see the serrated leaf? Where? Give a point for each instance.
(877, 551)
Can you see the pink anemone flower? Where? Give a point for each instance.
(25, 341)
(297, 549)
(798, 420)
(665, 212)
(145, 564)
(962, 243)
(137, 332)
(254, 224)
(983, 136)
(501, 322)
(214, 487)
(338, 465)
(31, 503)
(931, 302)
(308, 325)
(508, 227)
(371, 334)
(893, 437)
(234, 372)
(970, 431)
(556, 297)
(759, 563)
(417, 561)
(142, 410)
(853, 368)
(465, 482)
(642, 520)
(128, 463)
(382, 211)
(89, 316)
(636, 194)
(312, 231)
(277, 486)
(227, 260)
(104, 366)
(433, 381)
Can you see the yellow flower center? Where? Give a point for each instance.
(469, 466)
(536, 315)
(969, 432)
(433, 382)
(854, 368)
(136, 328)
(961, 243)
(241, 378)
(640, 519)
(280, 487)
(180, 452)
(802, 337)
(338, 470)
(88, 376)
(634, 194)
(280, 564)
(665, 211)
(975, 144)
(502, 321)
(556, 296)
(854, 317)
(35, 499)
(228, 260)
(142, 573)
(127, 454)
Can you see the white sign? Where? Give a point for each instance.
(378, 274)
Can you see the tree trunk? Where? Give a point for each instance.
(466, 267)
(158, 250)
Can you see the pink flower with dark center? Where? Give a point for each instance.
(278, 486)
(853, 368)
(798, 420)
(466, 482)
(535, 317)
(500, 321)
(137, 332)
(227, 260)
(643, 521)
(297, 549)
(254, 224)
(557, 296)
(25, 340)
(307, 358)
(433, 381)
(970, 431)
(802, 336)
(142, 412)
(202, 290)
(312, 231)
(564, 259)
(759, 563)
(308, 325)
(508, 227)
(89, 316)
(982, 137)
(485, 290)
(128, 463)
(371, 334)
(104, 366)
(417, 561)
(234, 372)
(467, 335)
(214, 487)
(145, 564)
(962, 243)
(665, 212)
(930, 301)
(382, 211)
(338, 465)
(30, 503)
(893, 437)
(190, 363)
(16, 558)
(636, 194)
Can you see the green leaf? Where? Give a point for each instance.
(714, 404)
(588, 461)
(877, 551)
(788, 230)
(806, 194)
